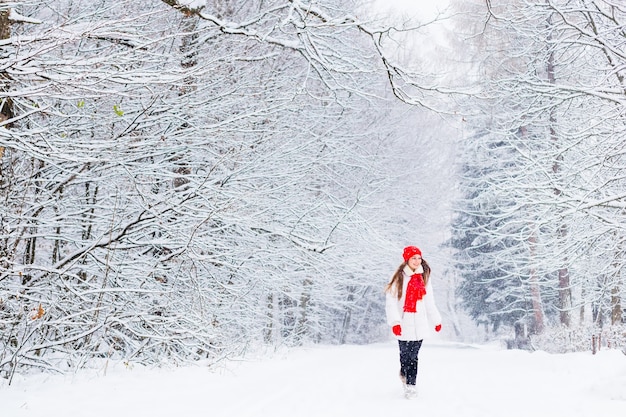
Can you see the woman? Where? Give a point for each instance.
(411, 312)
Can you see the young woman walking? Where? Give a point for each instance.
(411, 313)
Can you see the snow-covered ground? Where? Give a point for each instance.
(346, 381)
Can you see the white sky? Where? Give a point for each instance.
(338, 381)
(421, 8)
(423, 46)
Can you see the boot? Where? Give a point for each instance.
(410, 391)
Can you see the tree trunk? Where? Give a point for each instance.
(616, 301)
(535, 291)
(565, 292)
(6, 112)
(6, 105)
(303, 321)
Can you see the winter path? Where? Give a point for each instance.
(344, 381)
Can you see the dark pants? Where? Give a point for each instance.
(409, 349)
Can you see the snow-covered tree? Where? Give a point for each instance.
(552, 89)
(181, 180)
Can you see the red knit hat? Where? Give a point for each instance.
(411, 251)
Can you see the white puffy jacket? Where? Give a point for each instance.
(418, 325)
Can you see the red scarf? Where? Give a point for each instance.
(415, 291)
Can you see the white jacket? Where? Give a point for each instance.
(418, 325)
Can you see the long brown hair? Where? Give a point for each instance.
(398, 278)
